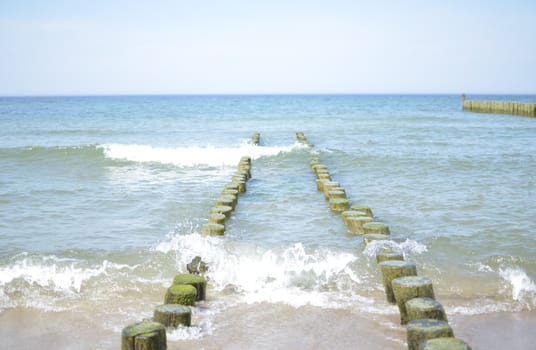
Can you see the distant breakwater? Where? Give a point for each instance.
(499, 107)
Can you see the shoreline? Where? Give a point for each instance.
(268, 326)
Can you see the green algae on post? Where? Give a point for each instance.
(217, 218)
(363, 208)
(323, 176)
(392, 269)
(230, 192)
(370, 237)
(425, 308)
(224, 201)
(212, 230)
(444, 344)
(182, 294)
(320, 184)
(407, 288)
(241, 185)
(319, 167)
(328, 185)
(336, 194)
(421, 330)
(355, 223)
(338, 204)
(376, 228)
(387, 256)
(351, 213)
(199, 282)
(222, 209)
(173, 315)
(145, 335)
(232, 186)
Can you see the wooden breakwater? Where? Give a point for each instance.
(425, 319)
(499, 107)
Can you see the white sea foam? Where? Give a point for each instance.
(292, 275)
(51, 272)
(202, 326)
(43, 281)
(413, 247)
(193, 155)
(482, 306)
(522, 287)
(406, 247)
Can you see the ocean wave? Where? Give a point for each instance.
(293, 275)
(51, 272)
(523, 288)
(44, 282)
(84, 153)
(193, 155)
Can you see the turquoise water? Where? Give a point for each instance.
(102, 200)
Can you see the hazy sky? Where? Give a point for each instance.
(251, 46)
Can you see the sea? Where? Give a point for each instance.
(102, 200)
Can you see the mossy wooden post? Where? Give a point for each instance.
(336, 194)
(244, 169)
(224, 200)
(213, 230)
(197, 266)
(319, 167)
(229, 197)
(199, 282)
(239, 185)
(323, 176)
(173, 315)
(232, 186)
(145, 335)
(363, 208)
(387, 254)
(320, 184)
(328, 185)
(351, 213)
(301, 137)
(182, 294)
(239, 176)
(217, 218)
(407, 288)
(448, 343)
(392, 269)
(425, 308)
(355, 223)
(421, 330)
(376, 228)
(370, 237)
(222, 209)
(255, 139)
(230, 192)
(338, 204)
(322, 173)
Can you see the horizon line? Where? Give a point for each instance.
(270, 94)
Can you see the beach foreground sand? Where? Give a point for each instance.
(270, 326)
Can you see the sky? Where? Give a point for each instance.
(100, 47)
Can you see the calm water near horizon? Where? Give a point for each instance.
(102, 200)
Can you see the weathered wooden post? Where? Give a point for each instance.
(145, 335)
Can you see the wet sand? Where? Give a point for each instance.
(267, 326)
